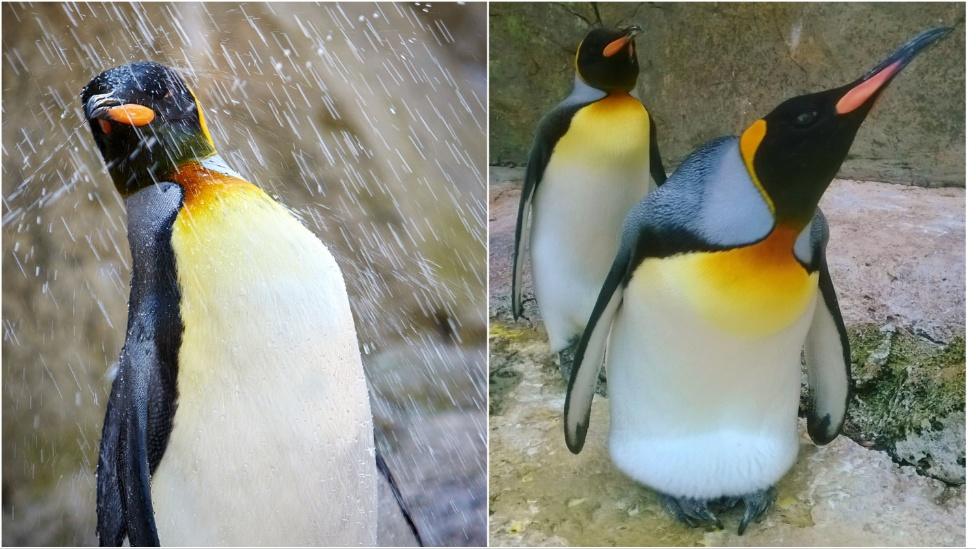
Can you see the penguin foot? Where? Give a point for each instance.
(757, 503)
(566, 357)
(601, 383)
(692, 512)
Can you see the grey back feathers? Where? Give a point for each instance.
(733, 211)
(718, 200)
(140, 411)
(582, 93)
(149, 210)
(803, 248)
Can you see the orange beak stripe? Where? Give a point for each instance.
(865, 90)
(131, 115)
(615, 46)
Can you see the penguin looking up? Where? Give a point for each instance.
(240, 413)
(593, 158)
(720, 279)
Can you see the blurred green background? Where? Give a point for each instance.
(710, 69)
(367, 120)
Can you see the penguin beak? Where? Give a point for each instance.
(105, 108)
(868, 86)
(612, 48)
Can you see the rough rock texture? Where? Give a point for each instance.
(906, 318)
(711, 69)
(429, 412)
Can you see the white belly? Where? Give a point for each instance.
(698, 411)
(272, 442)
(577, 222)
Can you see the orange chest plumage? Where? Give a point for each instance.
(754, 290)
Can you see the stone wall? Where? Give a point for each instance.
(711, 69)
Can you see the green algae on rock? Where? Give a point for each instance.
(912, 403)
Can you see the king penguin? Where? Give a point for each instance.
(720, 279)
(240, 413)
(592, 159)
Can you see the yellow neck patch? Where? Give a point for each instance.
(748, 144)
(612, 132)
(202, 187)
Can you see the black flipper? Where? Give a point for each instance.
(384, 470)
(657, 167)
(590, 354)
(827, 351)
(140, 411)
(551, 129)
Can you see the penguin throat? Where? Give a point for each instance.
(778, 246)
(199, 176)
(158, 159)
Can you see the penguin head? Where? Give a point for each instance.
(794, 152)
(607, 59)
(146, 123)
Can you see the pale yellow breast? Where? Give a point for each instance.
(752, 291)
(244, 263)
(612, 131)
(269, 373)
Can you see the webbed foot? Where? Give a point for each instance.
(692, 512)
(757, 503)
(566, 357)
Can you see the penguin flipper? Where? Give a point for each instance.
(141, 407)
(111, 510)
(124, 498)
(827, 352)
(551, 129)
(657, 167)
(384, 470)
(590, 353)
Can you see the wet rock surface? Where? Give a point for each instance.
(897, 260)
(433, 436)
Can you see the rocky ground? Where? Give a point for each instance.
(895, 477)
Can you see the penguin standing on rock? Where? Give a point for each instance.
(721, 278)
(593, 158)
(240, 413)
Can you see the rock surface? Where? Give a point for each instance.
(906, 315)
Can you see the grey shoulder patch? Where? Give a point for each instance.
(150, 210)
(582, 93)
(803, 248)
(219, 165)
(733, 212)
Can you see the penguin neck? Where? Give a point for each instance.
(196, 176)
(583, 93)
(161, 156)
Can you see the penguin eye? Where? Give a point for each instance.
(805, 119)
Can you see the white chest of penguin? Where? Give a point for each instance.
(704, 388)
(598, 170)
(272, 441)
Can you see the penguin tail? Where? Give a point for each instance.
(384, 470)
